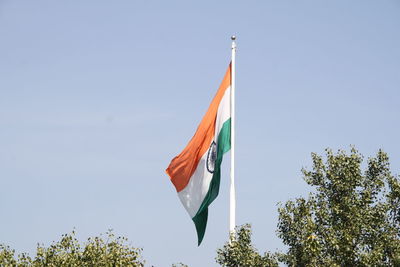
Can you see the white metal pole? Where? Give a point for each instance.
(232, 197)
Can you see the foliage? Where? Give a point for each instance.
(68, 252)
(240, 251)
(352, 219)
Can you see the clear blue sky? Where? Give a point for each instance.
(96, 98)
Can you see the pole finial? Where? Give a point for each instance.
(233, 37)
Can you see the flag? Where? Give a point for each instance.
(196, 171)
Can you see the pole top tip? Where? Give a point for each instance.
(233, 37)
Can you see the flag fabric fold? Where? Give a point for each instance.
(196, 171)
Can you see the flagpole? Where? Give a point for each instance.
(232, 194)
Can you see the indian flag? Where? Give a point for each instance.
(196, 171)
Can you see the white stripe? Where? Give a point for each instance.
(224, 112)
(194, 193)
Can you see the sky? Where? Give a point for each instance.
(96, 98)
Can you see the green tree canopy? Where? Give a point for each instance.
(97, 251)
(351, 219)
(241, 252)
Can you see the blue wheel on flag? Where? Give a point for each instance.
(211, 157)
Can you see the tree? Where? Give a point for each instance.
(112, 251)
(240, 251)
(352, 218)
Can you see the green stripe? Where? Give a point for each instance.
(223, 146)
